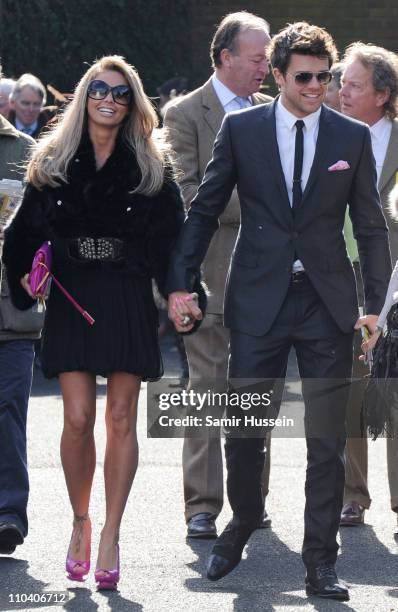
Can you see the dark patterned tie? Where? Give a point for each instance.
(298, 164)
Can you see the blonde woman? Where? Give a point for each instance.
(100, 190)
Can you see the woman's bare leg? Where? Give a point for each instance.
(78, 455)
(121, 459)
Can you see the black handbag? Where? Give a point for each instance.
(14, 320)
(381, 394)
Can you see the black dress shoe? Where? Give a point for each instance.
(323, 582)
(10, 537)
(227, 551)
(202, 526)
(265, 521)
(352, 514)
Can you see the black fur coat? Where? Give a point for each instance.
(96, 204)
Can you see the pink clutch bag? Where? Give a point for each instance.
(40, 276)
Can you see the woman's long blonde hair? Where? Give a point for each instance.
(54, 151)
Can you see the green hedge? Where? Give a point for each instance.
(56, 39)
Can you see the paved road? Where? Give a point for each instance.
(160, 570)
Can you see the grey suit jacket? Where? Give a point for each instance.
(270, 237)
(388, 179)
(14, 324)
(192, 123)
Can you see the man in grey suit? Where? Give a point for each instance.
(296, 165)
(238, 54)
(369, 93)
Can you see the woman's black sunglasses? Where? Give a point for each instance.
(98, 90)
(304, 78)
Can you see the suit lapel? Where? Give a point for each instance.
(213, 110)
(322, 146)
(270, 144)
(390, 165)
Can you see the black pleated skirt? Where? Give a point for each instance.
(124, 337)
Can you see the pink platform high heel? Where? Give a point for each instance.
(109, 578)
(73, 565)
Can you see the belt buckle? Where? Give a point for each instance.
(105, 248)
(86, 248)
(96, 248)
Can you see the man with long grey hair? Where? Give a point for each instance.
(369, 93)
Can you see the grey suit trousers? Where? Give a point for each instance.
(356, 479)
(207, 352)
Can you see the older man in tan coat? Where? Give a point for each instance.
(238, 53)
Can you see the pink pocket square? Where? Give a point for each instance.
(340, 165)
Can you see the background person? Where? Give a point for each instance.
(369, 93)
(170, 89)
(332, 98)
(18, 331)
(27, 102)
(238, 55)
(106, 200)
(6, 89)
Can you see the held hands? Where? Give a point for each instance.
(25, 285)
(369, 321)
(184, 310)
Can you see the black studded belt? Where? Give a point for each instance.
(97, 249)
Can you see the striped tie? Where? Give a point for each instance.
(243, 102)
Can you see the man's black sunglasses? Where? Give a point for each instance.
(98, 90)
(304, 78)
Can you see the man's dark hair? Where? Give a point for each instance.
(226, 36)
(384, 66)
(177, 84)
(303, 39)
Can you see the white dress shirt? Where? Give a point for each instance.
(286, 138)
(227, 97)
(380, 133)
